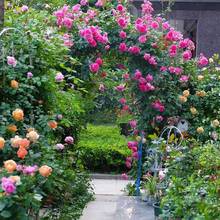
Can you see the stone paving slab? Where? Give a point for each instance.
(112, 207)
(111, 203)
(109, 186)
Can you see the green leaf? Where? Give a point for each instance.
(6, 214)
(2, 206)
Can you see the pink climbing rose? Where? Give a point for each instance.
(157, 105)
(94, 67)
(203, 61)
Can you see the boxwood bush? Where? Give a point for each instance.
(103, 149)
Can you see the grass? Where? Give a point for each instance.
(103, 149)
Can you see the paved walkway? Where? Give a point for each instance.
(111, 203)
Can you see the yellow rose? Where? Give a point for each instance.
(200, 77)
(193, 110)
(18, 114)
(201, 93)
(186, 93)
(2, 143)
(15, 141)
(200, 130)
(45, 171)
(182, 99)
(215, 123)
(10, 166)
(138, 138)
(33, 136)
(16, 179)
(14, 84)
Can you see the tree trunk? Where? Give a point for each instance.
(2, 10)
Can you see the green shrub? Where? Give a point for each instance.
(102, 148)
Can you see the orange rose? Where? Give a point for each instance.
(45, 171)
(18, 114)
(14, 84)
(24, 143)
(12, 128)
(22, 152)
(10, 166)
(2, 143)
(201, 93)
(52, 124)
(182, 99)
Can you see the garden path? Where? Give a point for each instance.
(111, 203)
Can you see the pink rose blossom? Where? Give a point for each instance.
(120, 8)
(120, 88)
(94, 67)
(69, 140)
(11, 61)
(122, 35)
(122, 22)
(173, 50)
(142, 39)
(165, 25)
(147, 8)
(24, 8)
(203, 61)
(83, 2)
(187, 55)
(60, 146)
(59, 77)
(122, 47)
(155, 25)
(137, 74)
(159, 118)
(184, 78)
(99, 61)
(147, 56)
(29, 170)
(133, 123)
(126, 76)
(76, 8)
(149, 78)
(157, 105)
(163, 68)
(8, 185)
(29, 75)
(122, 101)
(134, 50)
(68, 22)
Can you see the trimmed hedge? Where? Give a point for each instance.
(103, 149)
